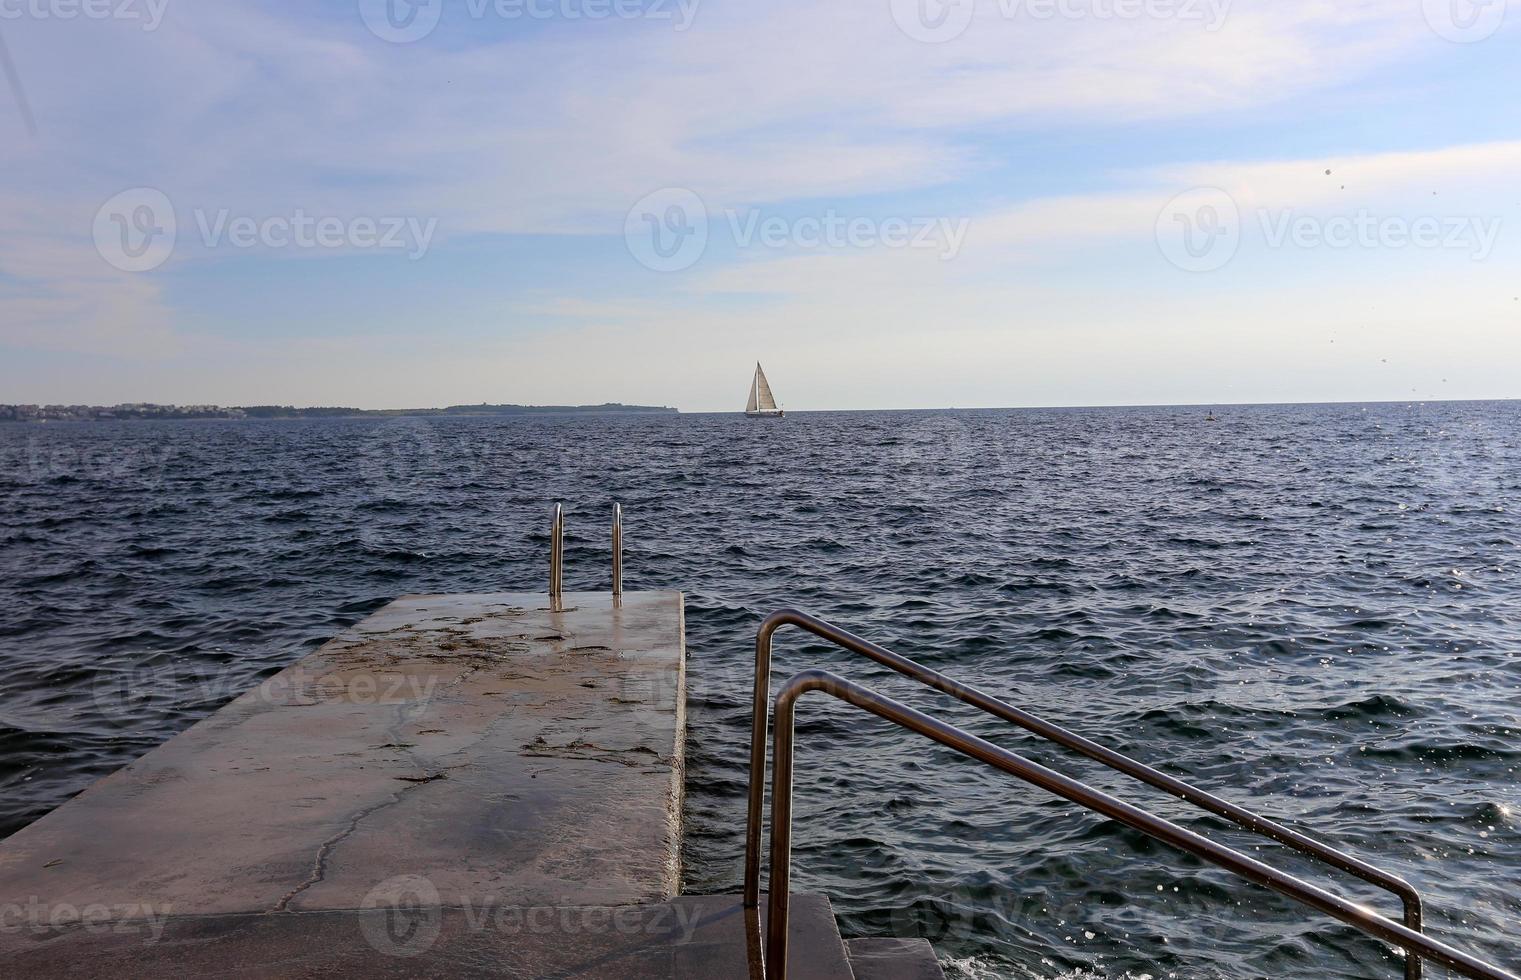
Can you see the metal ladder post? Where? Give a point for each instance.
(617, 552)
(557, 555)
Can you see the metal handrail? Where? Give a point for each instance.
(617, 551)
(1409, 897)
(1416, 944)
(557, 553)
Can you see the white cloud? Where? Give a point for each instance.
(262, 109)
(561, 129)
(56, 293)
(1476, 178)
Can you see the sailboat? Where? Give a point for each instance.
(762, 403)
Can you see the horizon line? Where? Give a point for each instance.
(665, 409)
(1202, 405)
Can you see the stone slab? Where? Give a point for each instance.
(502, 750)
(696, 938)
(893, 959)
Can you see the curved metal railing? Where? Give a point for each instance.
(1409, 897)
(1416, 944)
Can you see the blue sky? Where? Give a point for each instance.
(1099, 201)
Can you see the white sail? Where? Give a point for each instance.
(761, 393)
(750, 405)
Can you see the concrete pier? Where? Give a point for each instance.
(458, 786)
(500, 747)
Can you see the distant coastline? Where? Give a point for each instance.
(146, 411)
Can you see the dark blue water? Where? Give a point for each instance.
(1314, 610)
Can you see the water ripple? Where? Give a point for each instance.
(1312, 610)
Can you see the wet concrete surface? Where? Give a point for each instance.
(688, 938)
(503, 751)
(893, 959)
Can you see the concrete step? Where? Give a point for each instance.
(893, 959)
(691, 938)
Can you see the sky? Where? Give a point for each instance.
(891, 203)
